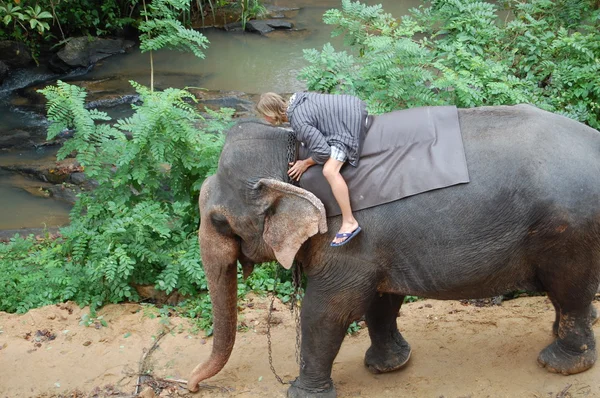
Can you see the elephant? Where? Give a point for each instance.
(528, 219)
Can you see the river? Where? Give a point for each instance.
(234, 61)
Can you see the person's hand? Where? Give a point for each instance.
(297, 169)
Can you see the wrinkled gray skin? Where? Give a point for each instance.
(529, 219)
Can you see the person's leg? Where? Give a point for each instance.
(331, 171)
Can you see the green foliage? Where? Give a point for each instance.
(353, 329)
(411, 299)
(24, 23)
(139, 224)
(162, 29)
(92, 319)
(199, 310)
(268, 277)
(90, 17)
(461, 52)
(34, 273)
(18, 17)
(34, 21)
(250, 9)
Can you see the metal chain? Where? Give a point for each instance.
(291, 153)
(297, 282)
(269, 348)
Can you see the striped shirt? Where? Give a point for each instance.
(321, 121)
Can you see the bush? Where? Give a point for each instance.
(461, 52)
(139, 224)
(35, 273)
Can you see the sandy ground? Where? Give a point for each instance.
(459, 350)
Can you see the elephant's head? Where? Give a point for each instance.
(248, 214)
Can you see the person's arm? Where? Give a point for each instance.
(314, 140)
(299, 167)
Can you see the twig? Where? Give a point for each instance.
(180, 381)
(563, 393)
(57, 21)
(142, 371)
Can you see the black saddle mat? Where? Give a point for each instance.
(405, 153)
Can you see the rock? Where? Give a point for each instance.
(148, 392)
(233, 27)
(168, 391)
(52, 171)
(78, 178)
(267, 25)
(38, 191)
(7, 234)
(14, 54)
(15, 139)
(84, 52)
(3, 71)
(65, 192)
(87, 343)
(159, 297)
(25, 138)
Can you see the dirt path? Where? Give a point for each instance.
(458, 351)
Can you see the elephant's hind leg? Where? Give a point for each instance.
(389, 351)
(574, 350)
(593, 316)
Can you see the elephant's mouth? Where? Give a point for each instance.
(247, 265)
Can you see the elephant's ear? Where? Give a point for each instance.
(293, 216)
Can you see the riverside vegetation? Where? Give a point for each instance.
(52, 22)
(139, 225)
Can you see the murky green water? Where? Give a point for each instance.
(20, 209)
(242, 61)
(234, 61)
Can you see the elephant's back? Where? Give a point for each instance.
(527, 150)
(526, 167)
(510, 133)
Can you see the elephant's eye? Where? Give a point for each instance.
(221, 224)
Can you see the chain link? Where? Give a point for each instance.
(295, 309)
(297, 283)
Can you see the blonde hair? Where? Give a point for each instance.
(272, 105)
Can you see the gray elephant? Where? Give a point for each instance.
(529, 219)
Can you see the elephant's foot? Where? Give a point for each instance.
(558, 359)
(298, 390)
(388, 359)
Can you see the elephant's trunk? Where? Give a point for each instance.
(223, 293)
(219, 257)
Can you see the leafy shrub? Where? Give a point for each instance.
(269, 277)
(34, 273)
(92, 17)
(139, 224)
(461, 52)
(24, 23)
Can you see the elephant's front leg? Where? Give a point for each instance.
(389, 351)
(326, 314)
